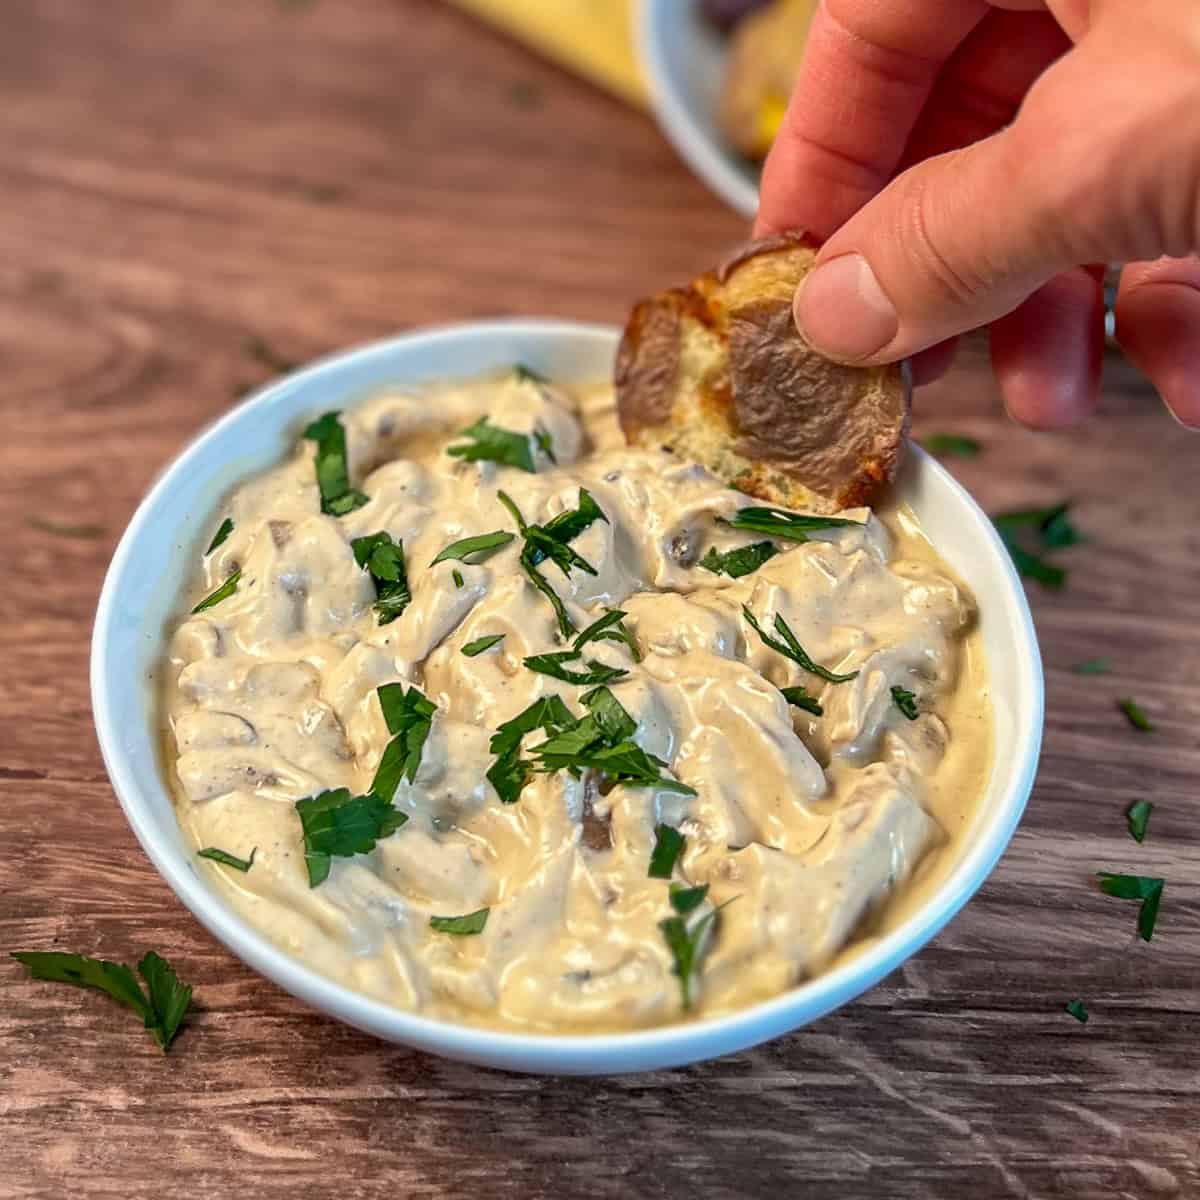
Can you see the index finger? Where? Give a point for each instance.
(868, 68)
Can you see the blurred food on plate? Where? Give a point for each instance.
(766, 42)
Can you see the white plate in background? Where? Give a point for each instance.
(683, 59)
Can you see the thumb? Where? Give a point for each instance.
(949, 245)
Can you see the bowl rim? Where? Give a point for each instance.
(712, 161)
(660, 1046)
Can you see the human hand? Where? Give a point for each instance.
(1031, 147)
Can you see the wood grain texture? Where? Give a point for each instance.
(181, 177)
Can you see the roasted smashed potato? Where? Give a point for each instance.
(764, 55)
(716, 372)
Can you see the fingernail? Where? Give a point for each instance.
(1189, 420)
(841, 310)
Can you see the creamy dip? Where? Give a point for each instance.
(811, 831)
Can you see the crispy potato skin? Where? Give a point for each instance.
(716, 372)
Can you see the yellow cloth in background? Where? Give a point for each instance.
(591, 37)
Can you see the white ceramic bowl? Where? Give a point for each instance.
(162, 544)
(683, 60)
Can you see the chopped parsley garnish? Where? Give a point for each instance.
(223, 531)
(383, 559)
(951, 445)
(609, 714)
(333, 475)
(510, 772)
(778, 522)
(227, 859)
(1093, 666)
(685, 944)
(550, 541)
(471, 923)
(736, 563)
(609, 628)
(1137, 816)
(524, 374)
(601, 740)
(1050, 528)
(161, 1005)
(687, 899)
(566, 626)
(479, 645)
(568, 525)
(222, 593)
(409, 718)
(1077, 1009)
(906, 702)
(457, 576)
(553, 665)
(545, 444)
(476, 549)
(490, 443)
(791, 648)
(337, 824)
(622, 762)
(1135, 716)
(668, 846)
(801, 699)
(1148, 889)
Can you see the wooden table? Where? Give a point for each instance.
(180, 179)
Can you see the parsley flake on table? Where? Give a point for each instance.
(333, 475)
(64, 529)
(951, 445)
(1135, 716)
(791, 648)
(338, 824)
(227, 859)
(489, 443)
(668, 846)
(475, 549)
(1137, 817)
(463, 926)
(383, 560)
(1093, 666)
(221, 593)
(778, 522)
(1049, 529)
(266, 355)
(799, 697)
(161, 1006)
(905, 701)
(409, 718)
(739, 562)
(1077, 1009)
(479, 645)
(223, 531)
(1146, 888)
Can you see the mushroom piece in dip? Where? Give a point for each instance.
(500, 721)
